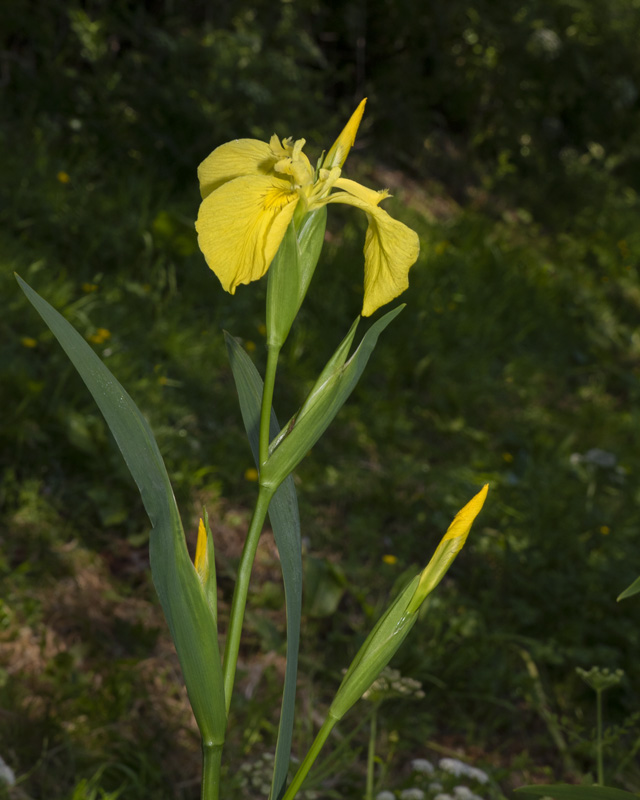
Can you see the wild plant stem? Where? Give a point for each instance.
(240, 592)
(211, 761)
(273, 353)
(314, 751)
(599, 757)
(371, 754)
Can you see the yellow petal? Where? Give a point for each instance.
(390, 250)
(451, 544)
(339, 151)
(370, 196)
(202, 557)
(230, 160)
(241, 224)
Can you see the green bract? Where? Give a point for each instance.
(331, 390)
(291, 272)
(394, 626)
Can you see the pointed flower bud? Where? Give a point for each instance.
(393, 627)
(339, 151)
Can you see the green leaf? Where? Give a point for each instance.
(285, 521)
(337, 381)
(565, 791)
(630, 590)
(291, 272)
(183, 600)
(378, 649)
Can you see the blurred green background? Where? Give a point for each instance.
(509, 135)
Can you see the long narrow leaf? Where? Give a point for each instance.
(323, 403)
(183, 600)
(285, 521)
(630, 590)
(565, 791)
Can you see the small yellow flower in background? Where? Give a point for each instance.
(251, 474)
(28, 341)
(390, 559)
(507, 457)
(262, 329)
(163, 380)
(63, 177)
(605, 530)
(87, 288)
(251, 190)
(441, 247)
(250, 346)
(100, 336)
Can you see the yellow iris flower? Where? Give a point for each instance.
(251, 191)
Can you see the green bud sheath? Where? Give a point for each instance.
(291, 272)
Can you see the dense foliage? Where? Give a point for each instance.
(509, 134)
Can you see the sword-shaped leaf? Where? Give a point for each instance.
(565, 791)
(191, 620)
(336, 382)
(630, 590)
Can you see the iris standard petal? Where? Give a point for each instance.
(241, 225)
(390, 250)
(339, 151)
(233, 159)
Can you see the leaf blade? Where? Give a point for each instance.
(325, 402)
(565, 791)
(181, 595)
(630, 590)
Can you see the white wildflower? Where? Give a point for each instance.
(453, 766)
(546, 42)
(462, 793)
(385, 795)
(477, 774)
(7, 775)
(412, 794)
(435, 786)
(422, 765)
(600, 457)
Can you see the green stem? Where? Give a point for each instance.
(314, 751)
(267, 399)
(240, 592)
(211, 761)
(599, 738)
(241, 589)
(371, 754)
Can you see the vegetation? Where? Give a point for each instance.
(510, 133)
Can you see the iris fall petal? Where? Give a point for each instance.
(390, 249)
(241, 225)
